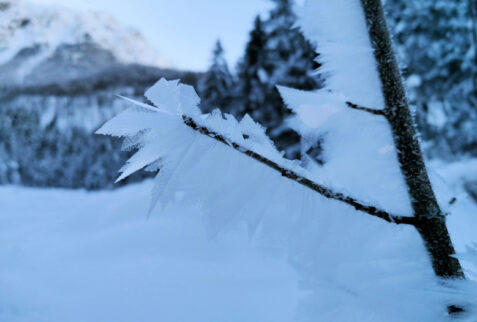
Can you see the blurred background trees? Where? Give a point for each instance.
(277, 53)
(436, 44)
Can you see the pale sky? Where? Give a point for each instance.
(184, 31)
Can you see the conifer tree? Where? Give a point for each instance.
(252, 87)
(216, 86)
(434, 39)
(276, 54)
(290, 58)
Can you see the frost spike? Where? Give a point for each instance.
(322, 190)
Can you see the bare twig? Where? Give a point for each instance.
(365, 109)
(290, 174)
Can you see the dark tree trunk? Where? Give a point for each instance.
(429, 219)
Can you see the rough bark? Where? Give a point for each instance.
(429, 219)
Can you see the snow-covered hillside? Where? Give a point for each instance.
(76, 256)
(34, 38)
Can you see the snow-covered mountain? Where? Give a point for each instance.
(60, 71)
(41, 43)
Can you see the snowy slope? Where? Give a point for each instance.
(32, 34)
(77, 256)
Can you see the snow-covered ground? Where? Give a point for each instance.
(448, 180)
(95, 256)
(77, 256)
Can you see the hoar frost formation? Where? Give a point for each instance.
(209, 159)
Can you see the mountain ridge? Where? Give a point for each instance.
(59, 76)
(57, 43)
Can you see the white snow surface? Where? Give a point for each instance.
(448, 180)
(79, 256)
(51, 26)
(94, 256)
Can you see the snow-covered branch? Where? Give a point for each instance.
(372, 164)
(292, 175)
(161, 133)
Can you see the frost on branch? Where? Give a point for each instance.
(358, 150)
(213, 161)
(191, 163)
(192, 148)
(346, 53)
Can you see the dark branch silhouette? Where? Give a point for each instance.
(365, 109)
